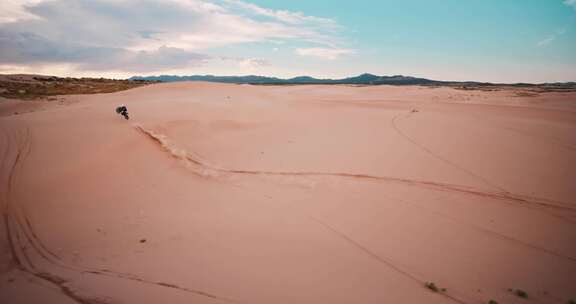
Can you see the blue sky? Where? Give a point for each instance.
(485, 40)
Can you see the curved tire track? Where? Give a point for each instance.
(394, 124)
(528, 201)
(525, 201)
(486, 231)
(21, 237)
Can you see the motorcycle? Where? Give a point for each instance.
(122, 110)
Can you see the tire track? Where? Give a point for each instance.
(21, 236)
(17, 247)
(215, 171)
(528, 202)
(516, 197)
(486, 231)
(547, 139)
(394, 124)
(55, 260)
(380, 259)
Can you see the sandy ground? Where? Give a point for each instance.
(218, 193)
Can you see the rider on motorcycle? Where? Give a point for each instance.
(122, 110)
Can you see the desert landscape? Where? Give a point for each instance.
(238, 193)
(287, 152)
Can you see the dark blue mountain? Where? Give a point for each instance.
(363, 79)
(360, 79)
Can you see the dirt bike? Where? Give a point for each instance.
(123, 111)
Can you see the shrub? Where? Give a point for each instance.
(521, 293)
(431, 286)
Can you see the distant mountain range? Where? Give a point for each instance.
(363, 79)
(251, 79)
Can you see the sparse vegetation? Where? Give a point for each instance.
(521, 89)
(519, 292)
(432, 286)
(32, 87)
(526, 94)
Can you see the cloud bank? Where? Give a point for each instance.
(147, 35)
(324, 53)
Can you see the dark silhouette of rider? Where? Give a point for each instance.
(122, 110)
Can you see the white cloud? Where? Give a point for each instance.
(551, 37)
(145, 35)
(546, 41)
(571, 3)
(14, 10)
(252, 63)
(561, 31)
(324, 53)
(283, 15)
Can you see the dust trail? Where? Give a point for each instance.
(192, 161)
(206, 169)
(203, 168)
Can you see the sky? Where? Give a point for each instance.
(482, 40)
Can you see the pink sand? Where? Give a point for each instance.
(216, 193)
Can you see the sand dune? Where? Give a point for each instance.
(220, 193)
